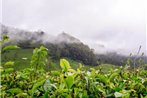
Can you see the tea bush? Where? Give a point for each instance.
(34, 82)
(70, 83)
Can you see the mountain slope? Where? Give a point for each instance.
(62, 45)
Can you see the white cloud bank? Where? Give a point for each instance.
(103, 24)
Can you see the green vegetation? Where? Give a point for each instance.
(22, 59)
(68, 82)
(75, 51)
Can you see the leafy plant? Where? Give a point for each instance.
(34, 82)
(64, 64)
(39, 58)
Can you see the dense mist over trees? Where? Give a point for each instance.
(118, 59)
(75, 51)
(65, 45)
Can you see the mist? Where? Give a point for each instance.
(17, 35)
(108, 25)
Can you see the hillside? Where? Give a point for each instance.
(65, 45)
(105, 81)
(62, 45)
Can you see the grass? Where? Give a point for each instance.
(22, 58)
(105, 68)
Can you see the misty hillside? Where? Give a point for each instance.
(17, 35)
(62, 45)
(65, 45)
(117, 59)
(64, 37)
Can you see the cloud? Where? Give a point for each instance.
(117, 24)
(0, 11)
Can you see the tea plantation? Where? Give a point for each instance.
(34, 81)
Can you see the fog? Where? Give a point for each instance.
(105, 25)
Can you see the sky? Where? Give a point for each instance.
(105, 25)
(0, 11)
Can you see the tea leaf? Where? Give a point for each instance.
(69, 81)
(64, 64)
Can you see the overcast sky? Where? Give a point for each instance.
(110, 24)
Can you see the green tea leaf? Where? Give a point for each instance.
(8, 70)
(36, 86)
(64, 64)
(85, 95)
(20, 95)
(46, 95)
(9, 63)
(9, 47)
(55, 73)
(14, 90)
(69, 81)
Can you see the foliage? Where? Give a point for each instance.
(34, 82)
(64, 64)
(71, 83)
(39, 58)
(75, 51)
(5, 39)
(20, 57)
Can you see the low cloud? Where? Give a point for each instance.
(115, 24)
